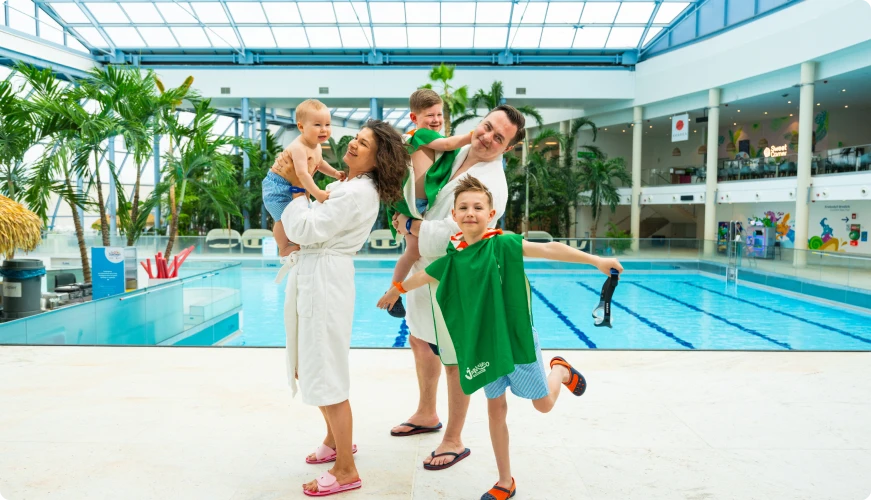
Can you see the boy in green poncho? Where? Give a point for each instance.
(484, 297)
(432, 161)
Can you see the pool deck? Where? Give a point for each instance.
(212, 423)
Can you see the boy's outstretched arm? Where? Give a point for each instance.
(417, 280)
(450, 143)
(328, 170)
(300, 166)
(565, 253)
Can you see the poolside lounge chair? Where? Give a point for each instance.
(252, 239)
(539, 236)
(382, 239)
(223, 239)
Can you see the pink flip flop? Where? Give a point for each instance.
(324, 454)
(327, 485)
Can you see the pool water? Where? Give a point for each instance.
(677, 310)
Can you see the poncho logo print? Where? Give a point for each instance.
(478, 370)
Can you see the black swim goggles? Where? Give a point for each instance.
(602, 312)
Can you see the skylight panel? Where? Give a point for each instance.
(360, 114)
(222, 37)
(176, 12)
(564, 12)
(281, 12)
(3, 17)
(246, 12)
(191, 37)
(668, 11)
(396, 114)
(557, 37)
(141, 13)
(651, 34)
(92, 36)
(453, 37)
(317, 12)
(323, 37)
(355, 37)
(70, 12)
(490, 37)
(290, 37)
(424, 37)
(493, 12)
(158, 37)
(107, 12)
(74, 44)
(21, 17)
(351, 12)
(591, 38)
(458, 12)
(50, 30)
(256, 37)
(390, 37)
(210, 12)
(125, 37)
(525, 37)
(624, 37)
(422, 12)
(387, 12)
(634, 12)
(531, 12)
(600, 12)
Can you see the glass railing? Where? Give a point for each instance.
(199, 307)
(690, 174)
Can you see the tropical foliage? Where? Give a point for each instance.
(455, 99)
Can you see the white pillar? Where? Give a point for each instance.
(710, 230)
(112, 202)
(246, 162)
(803, 179)
(565, 128)
(523, 158)
(635, 208)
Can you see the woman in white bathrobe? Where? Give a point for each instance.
(319, 305)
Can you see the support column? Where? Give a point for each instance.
(157, 220)
(803, 179)
(375, 109)
(635, 209)
(263, 130)
(523, 159)
(246, 162)
(112, 202)
(80, 190)
(710, 229)
(565, 129)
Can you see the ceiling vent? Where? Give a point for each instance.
(225, 90)
(521, 91)
(323, 90)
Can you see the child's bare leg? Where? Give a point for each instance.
(285, 246)
(497, 410)
(558, 376)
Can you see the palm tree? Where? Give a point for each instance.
(455, 100)
(491, 99)
(597, 179)
(166, 117)
(201, 163)
(249, 191)
(17, 135)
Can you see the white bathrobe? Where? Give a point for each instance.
(319, 306)
(423, 314)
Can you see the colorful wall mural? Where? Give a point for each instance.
(753, 138)
(834, 226)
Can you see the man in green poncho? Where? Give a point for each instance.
(484, 297)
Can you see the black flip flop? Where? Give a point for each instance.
(416, 429)
(398, 310)
(458, 457)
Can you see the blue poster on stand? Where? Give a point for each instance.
(107, 271)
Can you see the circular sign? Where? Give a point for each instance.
(767, 152)
(679, 125)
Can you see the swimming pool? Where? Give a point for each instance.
(673, 310)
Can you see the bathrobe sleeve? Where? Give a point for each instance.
(309, 224)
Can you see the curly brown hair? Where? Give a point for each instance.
(391, 161)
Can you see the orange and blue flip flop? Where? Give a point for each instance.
(577, 383)
(500, 493)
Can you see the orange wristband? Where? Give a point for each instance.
(398, 285)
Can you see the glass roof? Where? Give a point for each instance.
(312, 24)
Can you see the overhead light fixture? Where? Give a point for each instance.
(789, 102)
(739, 110)
(818, 104)
(846, 107)
(843, 90)
(624, 131)
(734, 124)
(550, 143)
(651, 126)
(766, 112)
(790, 114)
(606, 130)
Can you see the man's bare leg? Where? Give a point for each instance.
(458, 406)
(429, 369)
(341, 421)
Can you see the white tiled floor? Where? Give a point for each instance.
(209, 423)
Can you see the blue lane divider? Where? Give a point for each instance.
(563, 318)
(720, 318)
(644, 320)
(788, 315)
(402, 337)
